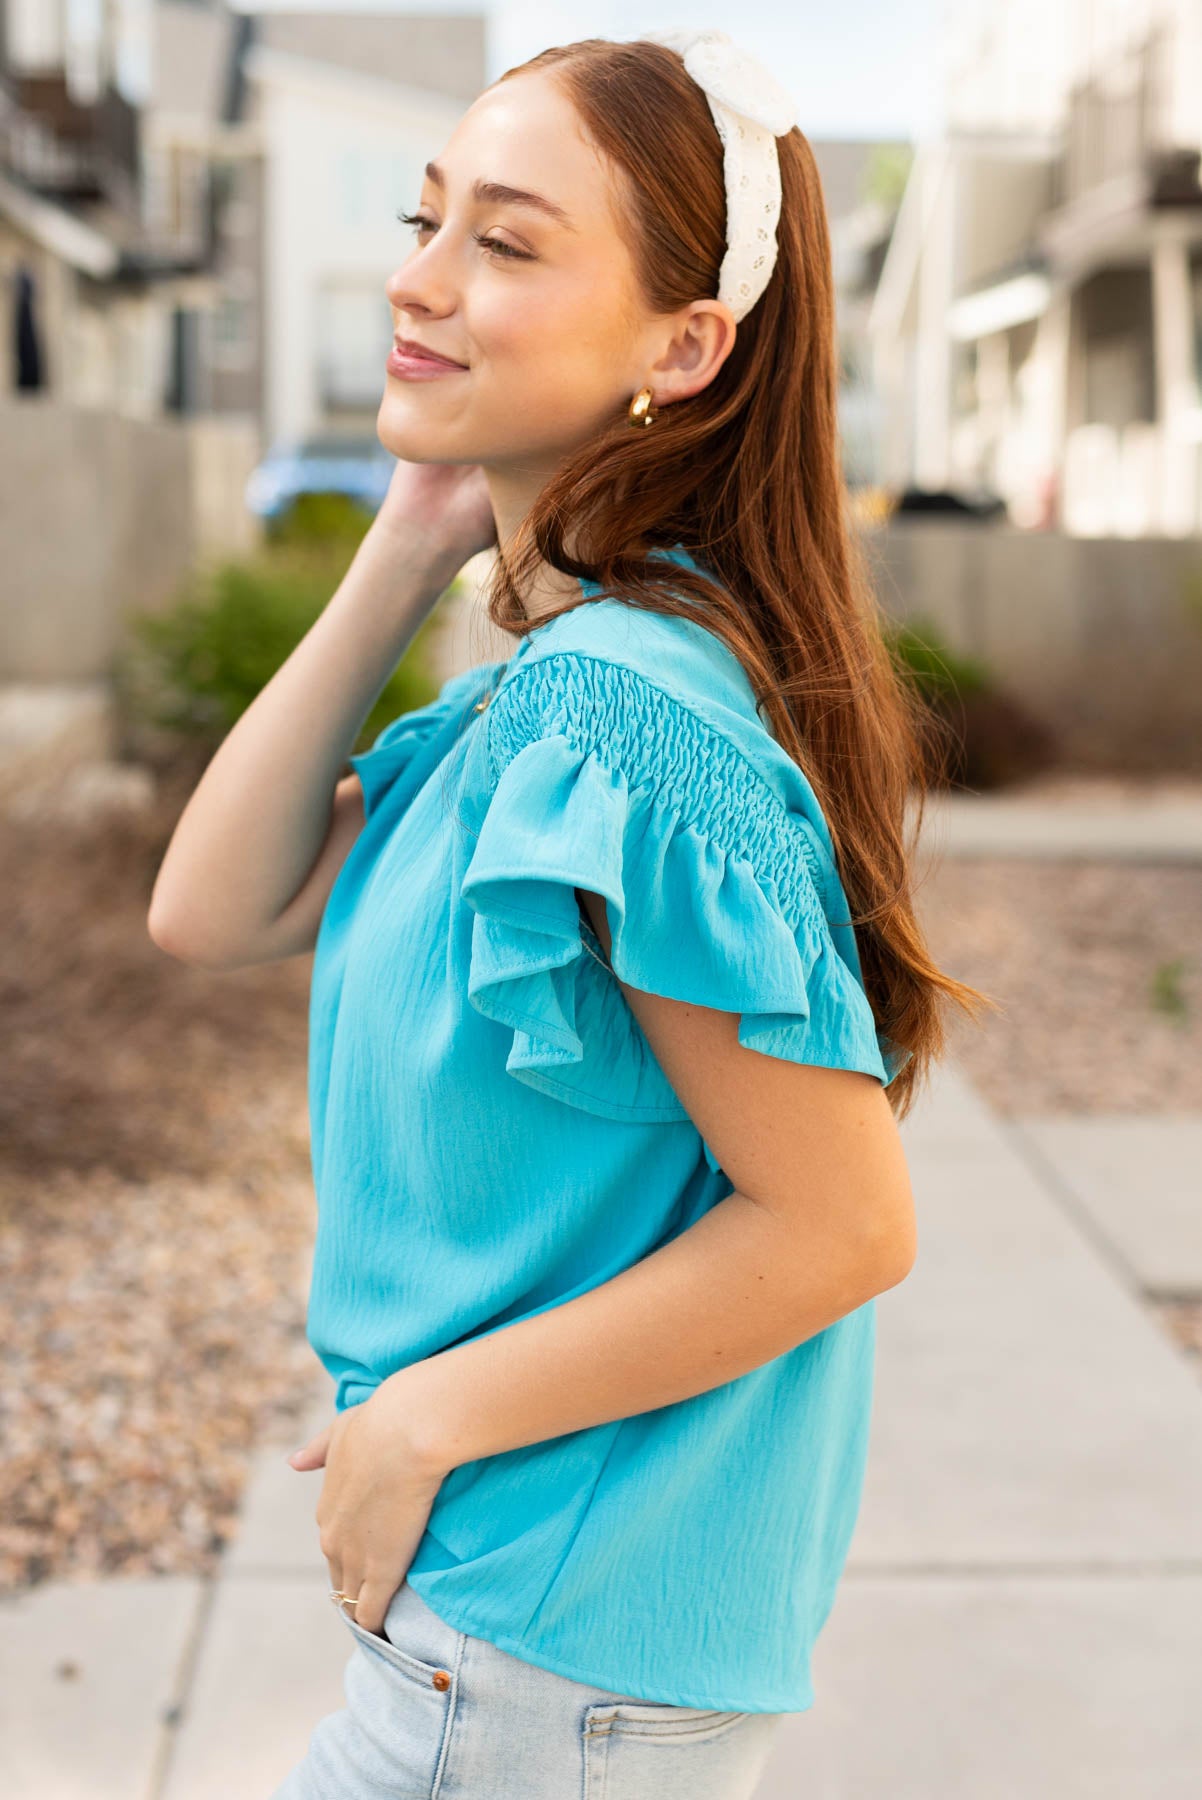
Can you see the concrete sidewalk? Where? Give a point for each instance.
(1153, 828)
(1021, 1614)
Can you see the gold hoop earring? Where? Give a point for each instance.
(639, 411)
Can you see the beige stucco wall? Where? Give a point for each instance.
(102, 515)
(1100, 637)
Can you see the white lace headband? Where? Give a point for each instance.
(751, 110)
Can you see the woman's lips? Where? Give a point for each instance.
(409, 367)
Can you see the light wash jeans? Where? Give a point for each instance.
(437, 1714)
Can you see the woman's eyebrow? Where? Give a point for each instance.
(498, 193)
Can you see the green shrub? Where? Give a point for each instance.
(194, 670)
(936, 668)
(987, 739)
(319, 519)
(1168, 994)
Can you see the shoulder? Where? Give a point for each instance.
(663, 701)
(395, 759)
(638, 688)
(457, 692)
(647, 672)
(668, 653)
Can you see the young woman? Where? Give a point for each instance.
(618, 992)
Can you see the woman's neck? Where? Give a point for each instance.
(512, 497)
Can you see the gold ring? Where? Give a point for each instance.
(339, 1598)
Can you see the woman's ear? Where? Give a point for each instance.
(702, 339)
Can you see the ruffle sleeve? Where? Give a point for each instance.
(396, 747)
(713, 888)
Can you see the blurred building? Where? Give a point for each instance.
(197, 204)
(347, 109)
(862, 182)
(1038, 323)
(197, 219)
(116, 148)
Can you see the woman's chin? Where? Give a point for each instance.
(411, 437)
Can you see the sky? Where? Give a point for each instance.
(856, 68)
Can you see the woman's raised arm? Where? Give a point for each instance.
(260, 842)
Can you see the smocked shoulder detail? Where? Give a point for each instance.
(663, 749)
(606, 783)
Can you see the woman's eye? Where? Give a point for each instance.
(505, 251)
(499, 244)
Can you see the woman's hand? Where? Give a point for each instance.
(375, 1500)
(448, 502)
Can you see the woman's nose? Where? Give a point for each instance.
(422, 281)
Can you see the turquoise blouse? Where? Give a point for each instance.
(492, 1135)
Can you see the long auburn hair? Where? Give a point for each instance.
(746, 475)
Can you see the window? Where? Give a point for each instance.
(233, 330)
(354, 336)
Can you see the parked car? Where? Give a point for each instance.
(326, 463)
(959, 503)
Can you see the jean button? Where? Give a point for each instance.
(442, 1680)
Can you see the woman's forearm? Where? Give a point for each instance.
(730, 1293)
(259, 816)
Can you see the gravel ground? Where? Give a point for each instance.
(156, 1213)
(156, 1206)
(1098, 970)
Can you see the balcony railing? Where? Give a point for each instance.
(1118, 122)
(63, 148)
(69, 168)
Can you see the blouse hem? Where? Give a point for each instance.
(460, 1620)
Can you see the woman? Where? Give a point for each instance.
(604, 1079)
